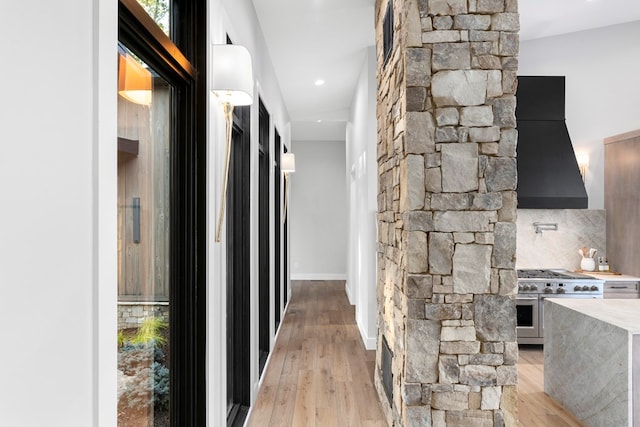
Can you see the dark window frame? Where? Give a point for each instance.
(187, 321)
(387, 33)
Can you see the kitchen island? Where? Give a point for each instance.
(592, 359)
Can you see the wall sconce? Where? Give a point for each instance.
(134, 81)
(288, 165)
(232, 83)
(583, 164)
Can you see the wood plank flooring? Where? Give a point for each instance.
(535, 408)
(319, 373)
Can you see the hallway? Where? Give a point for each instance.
(319, 373)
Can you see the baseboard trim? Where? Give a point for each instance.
(320, 276)
(347, 290)
(369, 343)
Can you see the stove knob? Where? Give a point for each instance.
(534, 288)
(548, 290)
(577, 288)
(520, 287)
(525, 287)
(594, 288)
(585, 288)
(561, 290)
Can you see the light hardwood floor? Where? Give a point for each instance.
(319, 373)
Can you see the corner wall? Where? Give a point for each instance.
(446, 213)
(362, 187)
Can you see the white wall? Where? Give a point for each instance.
(318, 214)
(58, 218)
(58, 223)
(237, 18)
(362, 178)
(602, 93)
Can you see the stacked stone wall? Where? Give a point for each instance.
(446, 211)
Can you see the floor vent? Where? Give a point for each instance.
(387, 375)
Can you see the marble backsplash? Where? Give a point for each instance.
(559, 249)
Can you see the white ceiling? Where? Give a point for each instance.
(326, 39)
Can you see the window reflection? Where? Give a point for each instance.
(144, 120)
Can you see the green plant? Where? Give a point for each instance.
(150, 331)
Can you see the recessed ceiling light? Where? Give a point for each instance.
(319, 120)
(319, 82)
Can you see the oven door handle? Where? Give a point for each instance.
(526, 298)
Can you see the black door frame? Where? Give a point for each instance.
(179, 64)
(264, 259)
(238, 270)
(277, 222)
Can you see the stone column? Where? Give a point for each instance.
(446, 212)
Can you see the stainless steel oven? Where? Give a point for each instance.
(534, 286)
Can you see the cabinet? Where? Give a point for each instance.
(620, 286)
(613, 289)
(622, 201)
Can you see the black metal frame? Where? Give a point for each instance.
(187, 322)
(387, 32)
(277, 222)
(264, 267)
(238, 271)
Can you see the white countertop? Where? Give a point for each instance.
(623, 313)
(612, 277)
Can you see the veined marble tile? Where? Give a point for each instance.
(587, 358)
(559, 249)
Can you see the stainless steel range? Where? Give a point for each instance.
(536, 285)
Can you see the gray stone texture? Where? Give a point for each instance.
(419, 286)
(471, 418)
(420, 133)
(422, 351)
(442, 311)
(490, 6)
(479, 375)
(433, 180)
(441, 36)
(459, 88)
(416, 98)
(450, 401)
(471, 269)
(440, 253)
(459, 167)
(451, 56)
(417, 416)
(476, 116)
(501, 174)
(447, 7)
(412, 394)
(442, 22)
(418, 221)
(447, 116)
(505, 22)
(484, 134)
(417, 252)
(472, 22)
(448, 369)
(495, 317)
(451, 201)
(412, 189)
(418, 66)
(504, 111)
(451, 221)
(504, 249)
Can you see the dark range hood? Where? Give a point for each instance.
(548, 173)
